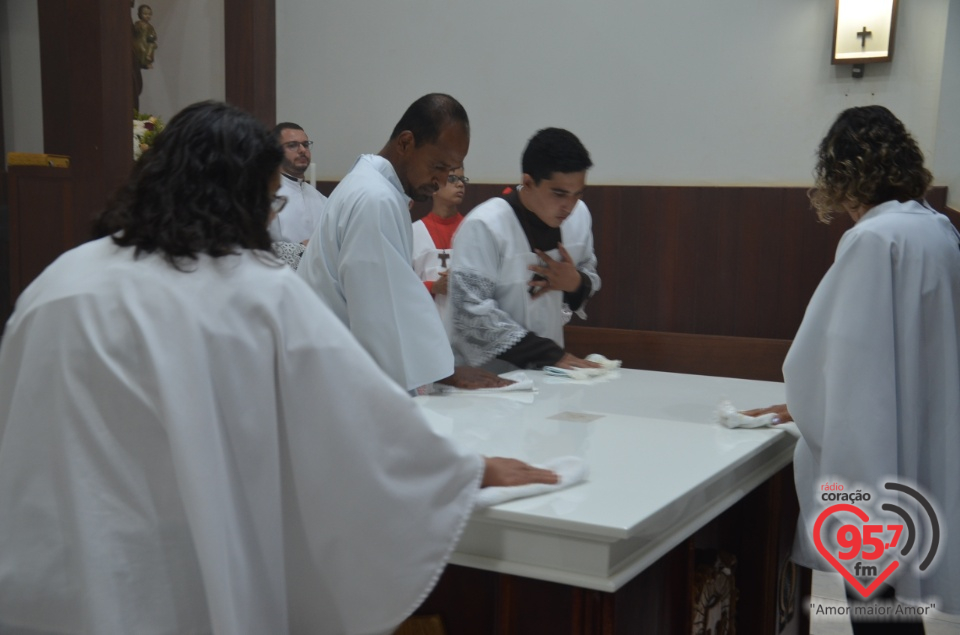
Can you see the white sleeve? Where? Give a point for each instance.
(375, 501)
(586, 259)
(389, 310)
(481, 328)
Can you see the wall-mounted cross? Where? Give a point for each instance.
(863, 37)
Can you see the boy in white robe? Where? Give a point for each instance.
(360, 259)
(524, 262)
(873, 375)
(190, 442)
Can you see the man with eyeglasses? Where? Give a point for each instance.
(304, 207)
(524, 263)
(433, 237)
(360, 263)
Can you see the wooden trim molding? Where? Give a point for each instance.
(714, 355)
(737, 262)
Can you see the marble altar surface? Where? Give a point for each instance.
(660, 469)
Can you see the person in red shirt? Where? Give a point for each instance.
(433, 235)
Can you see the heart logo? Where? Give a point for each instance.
(849, 577)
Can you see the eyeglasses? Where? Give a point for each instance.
(294, 145)
(277, 204)
(453, 178)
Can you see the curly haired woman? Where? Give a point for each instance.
(873, 376)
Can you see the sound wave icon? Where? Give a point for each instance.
(911, 526)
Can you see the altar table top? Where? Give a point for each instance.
(660, 468)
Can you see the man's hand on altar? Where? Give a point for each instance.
(501, 472)
(569, 361)
(470, 378)
(780, 411)
(555, 275)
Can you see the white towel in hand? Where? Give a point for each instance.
(609, 364)
(606, 366)
(521, 382)
(570, 469)
(728, 416)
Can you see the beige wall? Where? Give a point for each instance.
(661, 91)
(189, 64)
(20, 70)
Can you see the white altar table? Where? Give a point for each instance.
(660, 469)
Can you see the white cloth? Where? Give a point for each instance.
(298, 219)
(570, 470)
(576, 373)
(491, 308)
(209, 452)
(359, 263)
(607, 366)
(729, 417)
(521, 383)
(873, 381)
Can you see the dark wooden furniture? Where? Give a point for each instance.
(42, 224)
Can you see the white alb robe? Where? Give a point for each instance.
(209, 452)
(360, 263)
(491, 308)
(873, 382)
(299, 217)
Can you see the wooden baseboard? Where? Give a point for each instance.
(715, 355)
(421, 625)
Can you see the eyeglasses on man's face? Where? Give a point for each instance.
(453, 178)
(277, 204)
(295, 145)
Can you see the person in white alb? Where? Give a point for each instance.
(304, 207)
(191, 442)
(524, 262)
(873, 374)
(361, 262)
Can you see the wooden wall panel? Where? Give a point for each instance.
(727, 261)
(86, 76)
(715, 355)
(41, 221)
(251, 57)
(5, 306)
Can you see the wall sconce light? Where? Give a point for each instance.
(863, 32)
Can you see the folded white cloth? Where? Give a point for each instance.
(570, 469)
(521, 381)
(727, 415)
(606, 365)
(609, 364)
(574, 373)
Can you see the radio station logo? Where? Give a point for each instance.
(868, 550)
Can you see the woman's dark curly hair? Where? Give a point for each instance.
(201, 189)
(867, 158)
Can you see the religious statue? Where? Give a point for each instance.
(144, 37)
(144, 48)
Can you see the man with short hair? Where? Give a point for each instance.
(524, 262)
(361, 263)
(304, 207)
